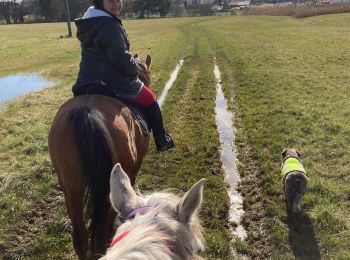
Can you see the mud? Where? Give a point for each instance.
(224, 122)
(170, 83)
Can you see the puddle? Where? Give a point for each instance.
(170, 82)
(17, 85)
(224, 122)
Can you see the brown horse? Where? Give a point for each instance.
(89, 135)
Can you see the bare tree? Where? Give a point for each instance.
(68, 19)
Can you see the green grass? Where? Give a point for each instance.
(32, 207)
(287, 82)
(290, 84)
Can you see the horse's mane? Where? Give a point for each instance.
(157, 234)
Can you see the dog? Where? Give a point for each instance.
(294, 179)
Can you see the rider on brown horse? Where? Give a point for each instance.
(107, 67)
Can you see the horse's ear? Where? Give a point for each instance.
(191, 202)
(148, 61)
(122, 195)
(136, 56)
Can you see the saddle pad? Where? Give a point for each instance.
(139, 117)
(96, 88)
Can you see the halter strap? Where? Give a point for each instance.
(118, 238)
(130, 215)
(141, 211)
(170, 245)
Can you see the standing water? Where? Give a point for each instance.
(229, 159)
(170, 82)
(17, 85)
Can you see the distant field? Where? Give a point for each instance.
(299, 11)
(288, 83)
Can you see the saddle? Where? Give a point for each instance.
(100, 88)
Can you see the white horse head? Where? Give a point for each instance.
(158, 226)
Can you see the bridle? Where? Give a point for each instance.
(131, 215)
(141, 211)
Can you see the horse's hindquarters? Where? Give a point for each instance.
(88, 136)
(127, 141)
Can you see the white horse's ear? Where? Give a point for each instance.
(191, 202)
(122, 195)
(148, 61)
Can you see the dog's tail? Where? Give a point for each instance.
(296, 184)
(300, 189)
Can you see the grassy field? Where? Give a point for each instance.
(32, 208)
(288, 83)
(290, 88)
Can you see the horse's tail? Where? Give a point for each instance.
(93, 146)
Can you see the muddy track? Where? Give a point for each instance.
(250, 185)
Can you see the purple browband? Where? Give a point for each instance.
(141, 211)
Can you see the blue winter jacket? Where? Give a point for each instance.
(105, 54)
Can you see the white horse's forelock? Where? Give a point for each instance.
(158, 234)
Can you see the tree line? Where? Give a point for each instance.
(17, 11)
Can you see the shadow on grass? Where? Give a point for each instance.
(302, 238)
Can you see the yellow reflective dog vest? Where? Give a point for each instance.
(291, 165)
